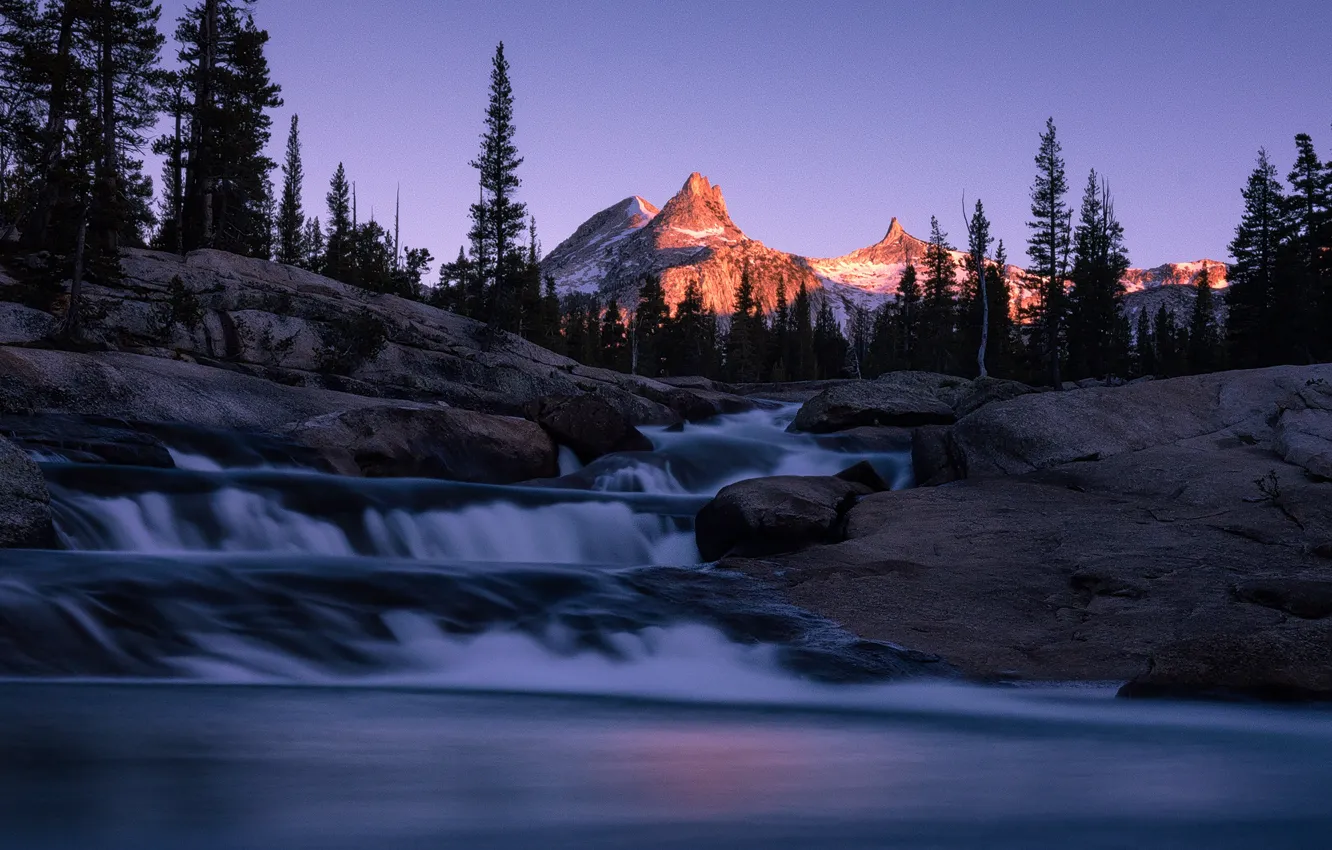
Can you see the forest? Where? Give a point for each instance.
(87, 95)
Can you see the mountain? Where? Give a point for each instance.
(694, 238)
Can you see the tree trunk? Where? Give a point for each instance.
(199, 194)
(109, 238)
(39, 220)
(985, 317)
(71, 328)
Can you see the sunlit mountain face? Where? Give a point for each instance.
(693, 239)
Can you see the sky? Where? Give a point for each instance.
(820, 120)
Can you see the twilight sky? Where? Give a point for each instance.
(821, 121)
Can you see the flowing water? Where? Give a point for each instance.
(243, 652)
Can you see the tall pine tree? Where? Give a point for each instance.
(1251, 325)
(498, 218)
(291, 217)
(1096, 296)
(1048, 248)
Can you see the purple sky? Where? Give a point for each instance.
(821, 121)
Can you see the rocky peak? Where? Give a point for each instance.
(697, 212)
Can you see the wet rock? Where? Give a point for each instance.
(588, 425)
(86, 440)
(764, 516)
(1270, 664)
(25, 504)
(865, 475)
(456, 445)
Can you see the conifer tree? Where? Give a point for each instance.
(909, 319)
(339, 245)
(1097, 293)
(1204, 333)
(291, 218)
(1304, 280)
(497, 218)
(1048, 248)
(745, 344)
(939, 307)
(691, 334)
(1144, 345)
(805, 366)
(1251, 326)
(978, 243)
(1002, 348)
(830, 347)
(227, 169)
(614, 344)
(649, 325)
(312, 241)
(1171, 344)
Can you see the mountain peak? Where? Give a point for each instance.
(698, 211)
(895, 231)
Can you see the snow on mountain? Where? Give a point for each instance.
(692, 239)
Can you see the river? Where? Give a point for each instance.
(243, 652)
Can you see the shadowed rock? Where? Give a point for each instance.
(457, 445)
(764, 516)
(589, 426)
(25, 509)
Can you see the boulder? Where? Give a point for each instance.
(770, 515)
(905, 399)
(1043, 430)
(25, 504)
(20, 325)
(973, 395)
(1053, 579)
(1304, 438)
(864, 474)
(932, 456)
(1272, 664)
(589, 425)
(410, 442)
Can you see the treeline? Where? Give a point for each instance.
(83, 88)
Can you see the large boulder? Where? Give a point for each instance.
(408, 442)
(898, 398)
(589, 425)
(1044, 430)
(25, 504)
(764, 516)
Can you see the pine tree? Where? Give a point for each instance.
(497, 218)
(614, 345)
(1144, 345)
(1305, 277)
(691, 335)
(1048, 248)
(976, 309)
(830, 347)
(1001, 352)
(291, 218)
(909, 319)
(745, 344)
(882, 355)
(339, 248)
(227, 170)
(939, 307)
(1171, 345)
(805, 366)
(649, 325)
(1251, 326)
(1097, 294)
(1204, 333)
(312, 240)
